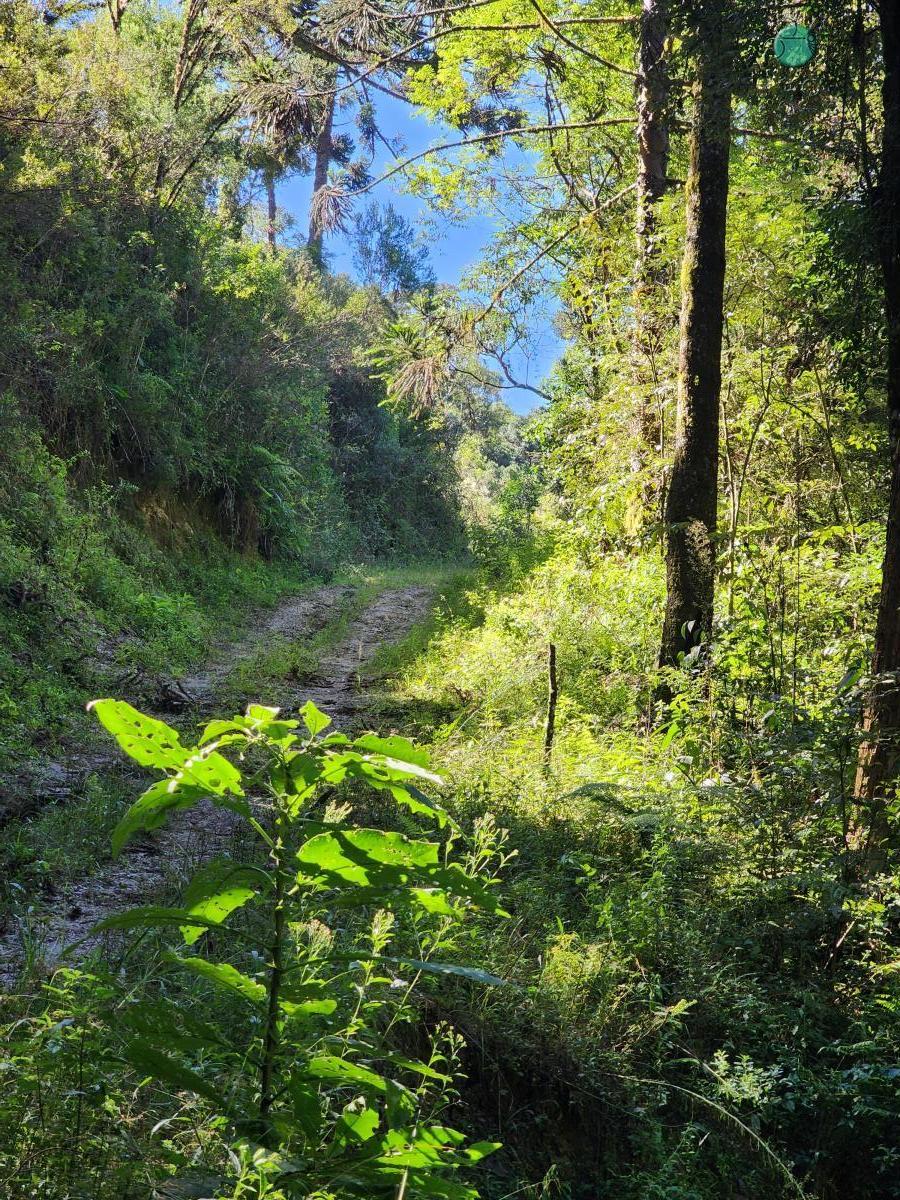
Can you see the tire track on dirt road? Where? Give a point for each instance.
(153, 864)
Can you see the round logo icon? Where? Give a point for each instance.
(794, 46)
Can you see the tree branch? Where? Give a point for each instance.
(553, 26)
(489, 137)
(398, 57)
(224, 116)
(467, 7)
(545, 250)
(511, 380)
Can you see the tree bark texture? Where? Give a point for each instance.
(652, 93)
(653, 162)
(552, 700)
(692, 500)
(271, 208)
(879, 758)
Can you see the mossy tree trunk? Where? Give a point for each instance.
(879, 760)
(692, 500)
(653, 165)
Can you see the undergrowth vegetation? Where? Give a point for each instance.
(288, 1041)
(610, 909)
(710, 1005)
(189, 423)
(89, 591)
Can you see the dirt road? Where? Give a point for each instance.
(152, 864)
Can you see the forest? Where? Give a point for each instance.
(450, 600)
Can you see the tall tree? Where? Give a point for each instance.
(653, 166)
(282, 122)
(322, 161)
(198, 36)
(387, 253)
(692, 500)
(359, 50)
(271, 208)
(880, 753)
(116, 12)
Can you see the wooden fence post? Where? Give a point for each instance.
(552, 697)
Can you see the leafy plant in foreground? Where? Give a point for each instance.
(296, 1057)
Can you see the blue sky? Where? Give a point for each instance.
(453, 247)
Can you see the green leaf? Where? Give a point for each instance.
(401, 1105)
(433, 900)
(314, 720)
(259, 718)
(218, 874)
(423, 1149)
(304, 772)
(475, 974)
(375, 859)
(152, 808)
(379, 770)
(340, 1071)
(417, 802)
(357, 1123)
(207, 769)
(147, 1058)
(154, 917)
(397, 748)
(391, 775)
(216, 891)
(366, 856)
(335, 739)
(851, 678)
(306, 1106)
(431, 1148)
(224, 975)
(152, 743)
(418, 1068)
(216, 909)
(308, 1008)
(221, 728)
(479, 1150)
(148, 741)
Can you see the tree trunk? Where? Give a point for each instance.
(652, 132)
(880, 753)
(187, 71)
(692, 501)
(653, 163)
(271, 208)
(116, 10)
(320, 176)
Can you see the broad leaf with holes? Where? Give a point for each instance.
(218, 890)
(150, 742)
(298, 959)
(385, 863)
